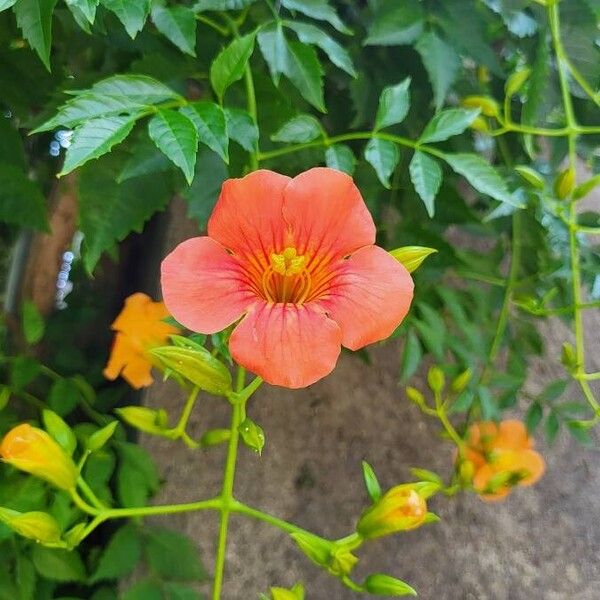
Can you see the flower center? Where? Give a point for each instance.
(287, 278)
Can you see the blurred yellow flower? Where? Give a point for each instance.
(400, 509)
(32, 450)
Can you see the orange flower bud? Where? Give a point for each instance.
(400, 509)
(32, 450)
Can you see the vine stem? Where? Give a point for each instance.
(227, 490)
(563, 67)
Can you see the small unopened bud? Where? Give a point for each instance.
(564, 183)
(252, 435)
(400, 509)
(466, 471)
(296, 593)
(412, 257)
(33, 451)
(145, 419)
(380, 584)
(214, 437)
(568, 356)
(515, 82)
(197, 366)
(436, 379)
(414, 395)
(530, 176)
(315, 548)
(38, 526)
(342, 562)
(460, 382)
(488, 106)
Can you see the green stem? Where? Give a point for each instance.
(208, 21)
(443, 417)
(562, 64)
(89, 494)
(508, 292)
(227, 490)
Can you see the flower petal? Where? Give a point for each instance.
(327, 214)
(512, 435)
(286, 344)
(247, 218)
(129, 361)
(368, 297)
(203, 286)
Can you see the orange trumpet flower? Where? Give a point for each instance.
(502, 457)
(295, 258)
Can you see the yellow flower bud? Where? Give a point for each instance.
(488, 106)
(38, 526)
(564, 183)
(400, 509)
(32, 450)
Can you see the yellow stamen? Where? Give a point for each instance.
(288, 262)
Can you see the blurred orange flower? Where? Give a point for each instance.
(140, 327)
(502, 457)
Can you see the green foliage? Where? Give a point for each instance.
(379, 90)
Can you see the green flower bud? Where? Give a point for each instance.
(145, 419)
(252, 435)
(530, 176)
(342, 562)
(515, 82)
(414, 395)
(197, 366)
(214, 437)
(564, 183)
(460, 382)
(316, 548)
(488, 106)
(436, 379)
(38, 526)
(412, 256)
(380, 584)
(60, 431)
(99, 438)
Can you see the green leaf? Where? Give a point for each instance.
(6, 4)
(137, 477)
(314, 36)
(554, 390)
(24, 370)
(178, 25)
(533, 417)
(202, 195)
(442, 64)
(21, 201)
(448, 123)
(179, 591)
(132, 13)
(273, 46)
(300, 129)
(241, 128)
(120, 556)
(146, 589)
(319, 10)
(482, 176)
(176, 136)
(211, 125)
(86, 7)
(539, 82)
(202, 5)
(551, 427)
(95, 138)
(340, 157)
(34, 18)
(371, 481)
(411, 357)
(145, 159)
(57, 564)
(426, 176)
(11, 146)
(109, 211)
(229, 65)
(60, 431)
(64, 396)
(25, 577)
(100, 438)
(383, 156)
(396, 23)
(394, 103)
(173, 556)
(305, 72)
(33, 322)
(135, 88)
